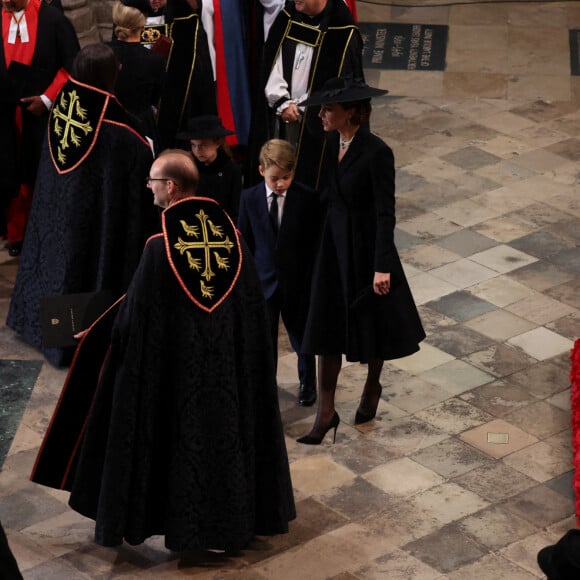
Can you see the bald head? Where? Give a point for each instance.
(173, 176)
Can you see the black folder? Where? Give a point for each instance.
(65, 315)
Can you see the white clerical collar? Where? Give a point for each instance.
(18, 27)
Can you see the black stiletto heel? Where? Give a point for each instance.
(360, 417)
(315, 440)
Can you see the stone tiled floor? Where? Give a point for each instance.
(489, 227)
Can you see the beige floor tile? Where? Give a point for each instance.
(503, 259)
(427, 358)
(540, 419)
(426, 287)
(523, 552)
(540, 160)
(414, 394)
(426, 257)
(498, 438)
(540, 461)
(453, 416)
(466, 213)
(503, 229)
(448, 502)
(318, 473)
(397, 565)
(541, 343)
(344, 549)
(499, 324)
(539, 309)
(464, 273)
(491, 567)
(500, 291)
(403, 477)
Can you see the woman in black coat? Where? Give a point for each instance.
(361, 304)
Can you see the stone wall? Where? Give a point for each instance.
(90, 18)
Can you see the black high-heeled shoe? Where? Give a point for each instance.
(314, 439)
(360, 417)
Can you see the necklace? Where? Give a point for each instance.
(344, 143)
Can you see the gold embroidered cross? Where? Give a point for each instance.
(206, 244)
(66, 110)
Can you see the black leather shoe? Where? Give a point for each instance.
(14, 249)
(307, 395)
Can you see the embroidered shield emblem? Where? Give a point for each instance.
(203, 249)
(74, 124)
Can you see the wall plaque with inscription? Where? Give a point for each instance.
(404, 46)
(575, 52)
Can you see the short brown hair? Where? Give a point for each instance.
(278, 152)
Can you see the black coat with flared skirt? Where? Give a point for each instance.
(345, 315)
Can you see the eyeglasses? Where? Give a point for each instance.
(148, 180)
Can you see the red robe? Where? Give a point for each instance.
(26, 53)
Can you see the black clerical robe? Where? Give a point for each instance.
(184, 436)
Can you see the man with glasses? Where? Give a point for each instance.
(183, 436)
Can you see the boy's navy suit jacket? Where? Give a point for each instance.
(284, 261)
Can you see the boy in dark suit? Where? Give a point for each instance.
(280, 221)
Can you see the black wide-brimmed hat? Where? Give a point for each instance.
(562, 560)
(341, 90)
(204, 127)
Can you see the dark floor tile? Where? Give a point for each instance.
(538, 111)
(446, 549)
(540, 275)
(495, 482)
(563, 484)
(569, 149)
(495, 527)
(404, 240)
(567, 260)
(539, 215)
(357, 500)
(459, 340)
(567, 292)
(56, 569)
(466, 242)
(541, 244)
(450, 458)
(498, 398)
(501, 360)
(29, 506)
(540, 505)
(544, 378)
(470, 158)
(17, 379)
(408, 182)
(313, 519)
(361, 455)
(461, 306)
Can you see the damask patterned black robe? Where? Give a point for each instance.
(88, 223)
(184, 437)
